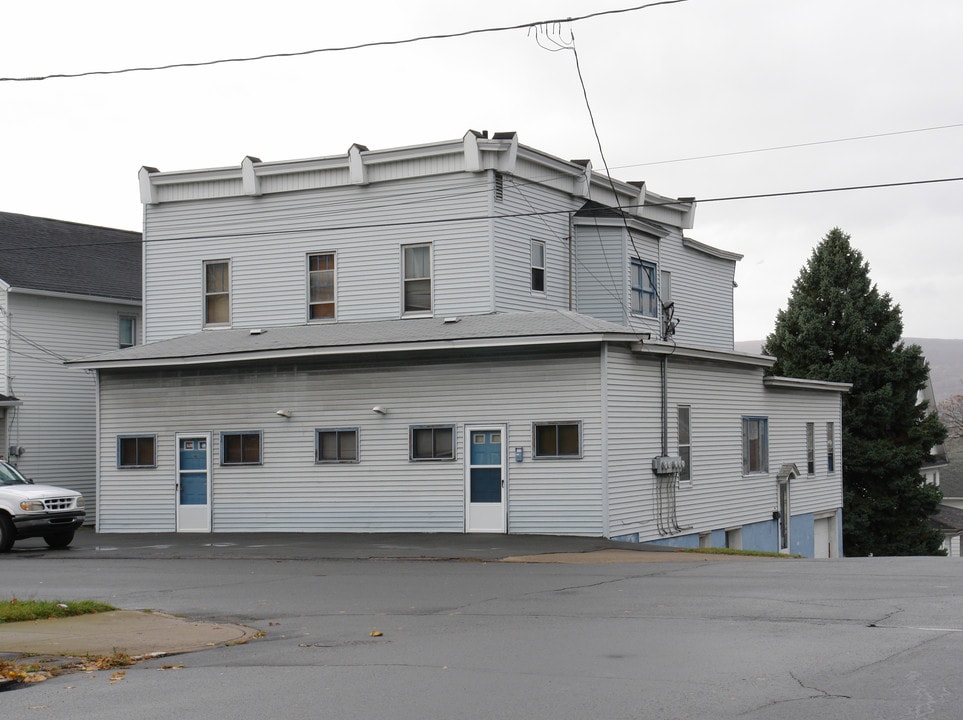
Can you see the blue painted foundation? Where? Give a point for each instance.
(762, 536)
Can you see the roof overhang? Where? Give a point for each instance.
(348, 350)
(653, 347)
(790, 383)
(74, 296)
(426, 335)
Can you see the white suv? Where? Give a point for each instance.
(28, 510)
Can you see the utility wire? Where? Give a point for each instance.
(343, 48)
(475, 218)
(789, 147)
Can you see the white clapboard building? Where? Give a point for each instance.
(66, 290)
(465, 336)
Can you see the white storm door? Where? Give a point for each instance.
(485, 476)
(193, 483)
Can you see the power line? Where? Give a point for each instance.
(486, 217)
(789, 147)
(343, 48)
(847, 188)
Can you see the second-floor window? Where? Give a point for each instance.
(416, 275)
(321, 286)
(127, 331)
(217, 292)
(538, 266)
(644, 294)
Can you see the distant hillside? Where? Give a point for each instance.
(944, 356)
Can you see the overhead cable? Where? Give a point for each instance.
(475, 218)
(789, 147)
(342, 48)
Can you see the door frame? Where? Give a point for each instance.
(200, 513)
(503, 515)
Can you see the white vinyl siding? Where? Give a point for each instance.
(512, 248)
(719, 396)
(702, 288)
(267, 244)
(602, 273)
(56, 422)
(384, 493)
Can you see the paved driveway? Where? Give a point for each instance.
(862, 638)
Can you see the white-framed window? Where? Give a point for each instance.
(336, 445)
(241, 448)
(127, 331)
(810, 448)
(416, 278)
(321, 298)
(645, 297)
(217, 292)
(755, 445)
(684, 415)
(557, 439)
(136, 451)
(830, 447)
(538, 266)
(431, 442)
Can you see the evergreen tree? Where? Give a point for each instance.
(838, 327)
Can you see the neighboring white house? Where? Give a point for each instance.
(66, 290)
(465, 336)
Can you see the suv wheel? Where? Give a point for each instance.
(59, 540)
(6, 532)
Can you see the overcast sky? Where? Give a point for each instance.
(686, 80)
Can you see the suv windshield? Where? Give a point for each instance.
(11, 476)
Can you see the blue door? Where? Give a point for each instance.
(485, 491)
(193, 484)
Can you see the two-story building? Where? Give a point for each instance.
(66, 290)
(465, 336)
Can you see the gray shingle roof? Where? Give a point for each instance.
(66, 257)
(948, 518)
(492, 330)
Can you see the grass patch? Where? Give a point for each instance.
(14, 610)
(730, 551)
